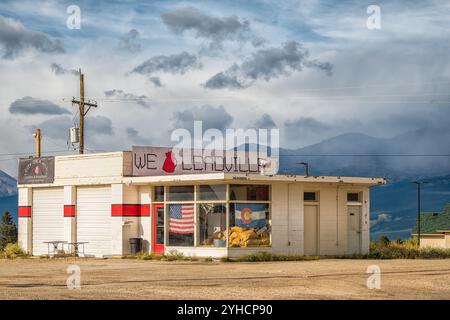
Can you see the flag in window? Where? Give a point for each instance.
(250, 215)
(181, 218)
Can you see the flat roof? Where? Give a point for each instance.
(229, 177)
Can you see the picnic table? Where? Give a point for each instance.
(76, 246)
(55, 245)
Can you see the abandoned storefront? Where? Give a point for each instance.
(104, 200)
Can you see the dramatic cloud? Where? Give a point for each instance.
(212, 117)
(58, 128)
(156, 81)
(136, 137)
(29, 105)
(265, 122)
(174, 64)
(141, 100)
(129, 41)
(308, 130)
(267, 64)
(60, 70)
(14, 38)
(99, 124)
(214, 29)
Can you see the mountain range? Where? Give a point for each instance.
(420, 154)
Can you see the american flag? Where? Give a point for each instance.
(181, 218)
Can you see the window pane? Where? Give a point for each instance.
(309, 196)
(181, 193)
(249, 192)
(181, 224)
(160, 225)
(213, 224)
(213, 192)
(249, 225)
(353, 197)
(159, 194)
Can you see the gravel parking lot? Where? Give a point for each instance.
(137, 279)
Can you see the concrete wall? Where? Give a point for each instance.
(91, 168)
(435, 241)
(124, 227)
(145, 226)
(25, 231)
(288, 217)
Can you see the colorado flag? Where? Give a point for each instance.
(250, 215)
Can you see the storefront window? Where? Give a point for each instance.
(244, 192)
(181, 224)
(213, 192)
(249, 225)
(181, 193)
(158, 195)
(213, 224)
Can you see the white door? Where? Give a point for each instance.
(94, 220)
(354, 230)
(310, 227)
(47, 218)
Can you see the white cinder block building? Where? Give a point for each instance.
(99, 199)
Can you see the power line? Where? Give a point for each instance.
(365, 155)
(30, 153)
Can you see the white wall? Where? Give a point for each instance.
(145, 226)
(25, 233)
(288, 217)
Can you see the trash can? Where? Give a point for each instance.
(135, 245)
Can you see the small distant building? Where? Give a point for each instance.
(434, 228)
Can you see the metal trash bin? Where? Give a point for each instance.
(135, 245)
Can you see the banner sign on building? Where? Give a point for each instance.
(159, 161)
(36, 170)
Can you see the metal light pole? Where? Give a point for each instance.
(418, 183)
(306, 164)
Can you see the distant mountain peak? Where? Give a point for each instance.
(8, 185)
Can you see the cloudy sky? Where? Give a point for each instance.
(310, 68)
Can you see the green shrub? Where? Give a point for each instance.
(13, 251)
(146, 256)
(384, 241)
(408, 249)
(174, 256)
(208, 259)
(266, 256)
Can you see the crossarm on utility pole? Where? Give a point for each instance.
(81, 103)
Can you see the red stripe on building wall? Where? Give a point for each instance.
(130, 210)
(24, 211)
(70, 210)
(145, 210)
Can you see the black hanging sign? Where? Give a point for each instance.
(36, 170)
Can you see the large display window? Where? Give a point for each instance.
(217, 215)
(213, 224)
(180, 193)
(181, 224)
(249, 225)
(249, 192)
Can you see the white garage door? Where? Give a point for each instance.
(94, 220)
(48, 218)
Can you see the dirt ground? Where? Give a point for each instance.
(137, 279)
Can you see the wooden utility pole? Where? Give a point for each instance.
(81, 113)
(37, 135)
(81, 103)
